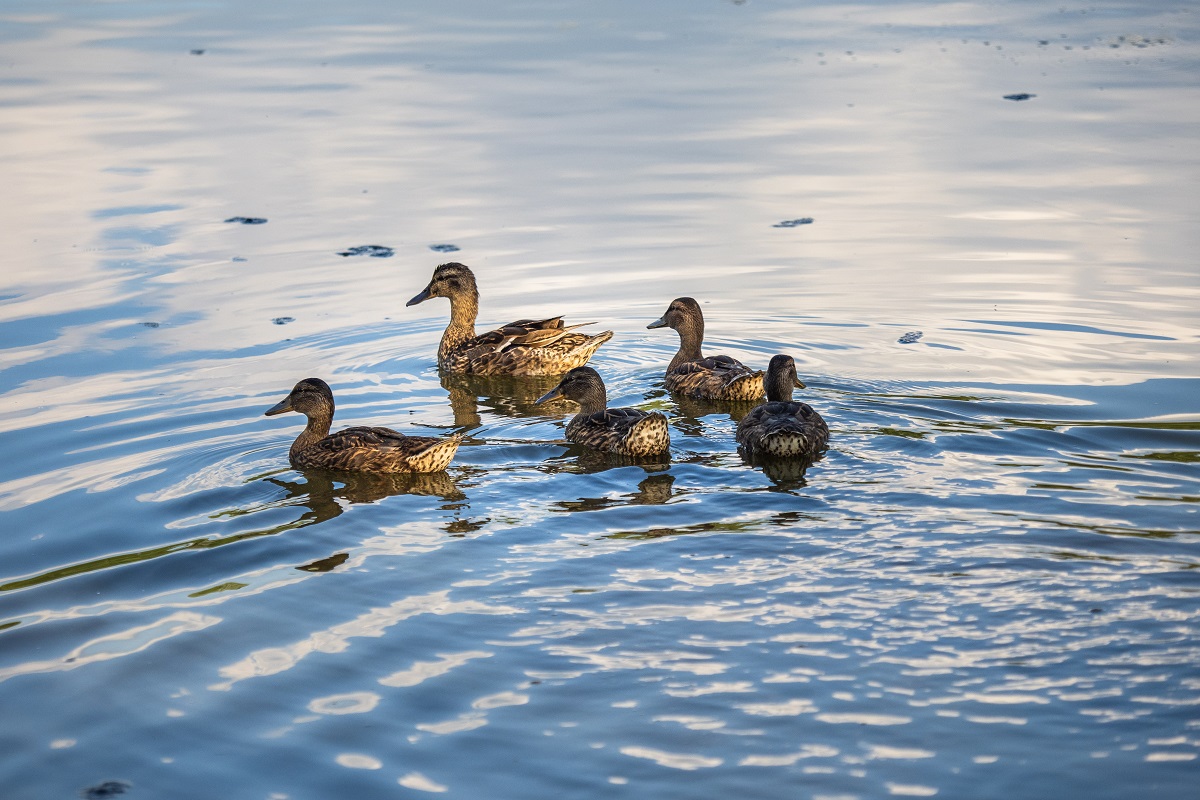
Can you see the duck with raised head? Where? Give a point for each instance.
(359, 449)
(524, 347)
(627, 431)
(693, 375)
(781, 428)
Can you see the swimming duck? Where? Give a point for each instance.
(524, 347)
(780, 428)
(690, 373)
(627, 431)
(356, 449)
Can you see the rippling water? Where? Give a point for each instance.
(987, 588)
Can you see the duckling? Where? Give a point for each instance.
(627, 431)
(356, 449)
(524, 347)
(780, 428)
(693, 375)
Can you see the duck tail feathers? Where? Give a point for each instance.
(437, 456)
(745, 387)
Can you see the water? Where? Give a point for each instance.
(987, 587)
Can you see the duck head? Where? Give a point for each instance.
(683, 315)
(311, 397)
(583, 385)
(781, 378)
(449, 280)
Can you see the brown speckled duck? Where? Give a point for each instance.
(356, 449)
(693, 375)
(627, 431)
(524, 347)
(780, 428)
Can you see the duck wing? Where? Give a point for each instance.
(629, 431)
(540, 337)
(365, 449)
(716, 378)
(527, 347)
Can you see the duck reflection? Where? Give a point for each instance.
(656, 489)
(504, 395)
(327, 564)
(692, 413)
(588, 461)
(326, 494)
(786, 473)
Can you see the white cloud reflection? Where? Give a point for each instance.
(336, 639)
(115, 645)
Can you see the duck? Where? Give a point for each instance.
(781, 428)
(524, 347)
(359, 449)
(624, 431)
(693, 375)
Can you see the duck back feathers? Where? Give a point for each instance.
(716, 378)
(627, 431)
(377, 450)
(783, 430)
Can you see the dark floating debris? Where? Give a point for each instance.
(283, 320)
(444, 248)
(793, 223)
(372, 250)
(106, 789)
(1019, 96)
(1137, 41)
(248, 220)
(911, 337)
(237, 259)
(197, 52)
(150, 324)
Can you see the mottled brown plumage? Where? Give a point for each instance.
(693, 375)
(524, 347)
(780, 428)
(627, 431)
(356, 449)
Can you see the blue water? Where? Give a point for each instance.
(986, 588)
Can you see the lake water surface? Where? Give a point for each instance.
(987, 588)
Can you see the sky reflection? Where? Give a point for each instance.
(986, 578)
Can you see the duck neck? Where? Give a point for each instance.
(464, 308)
(779, 387)
(316, 430)
(691, 335)
(593, 401)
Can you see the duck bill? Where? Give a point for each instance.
(421, 298)
(550, 395)
(661, 322)
(282, 407)
(800, 384)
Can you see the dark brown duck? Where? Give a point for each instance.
(781, 428)
(524, 347)
(356, 449)
(627, 431)
(693, 375)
